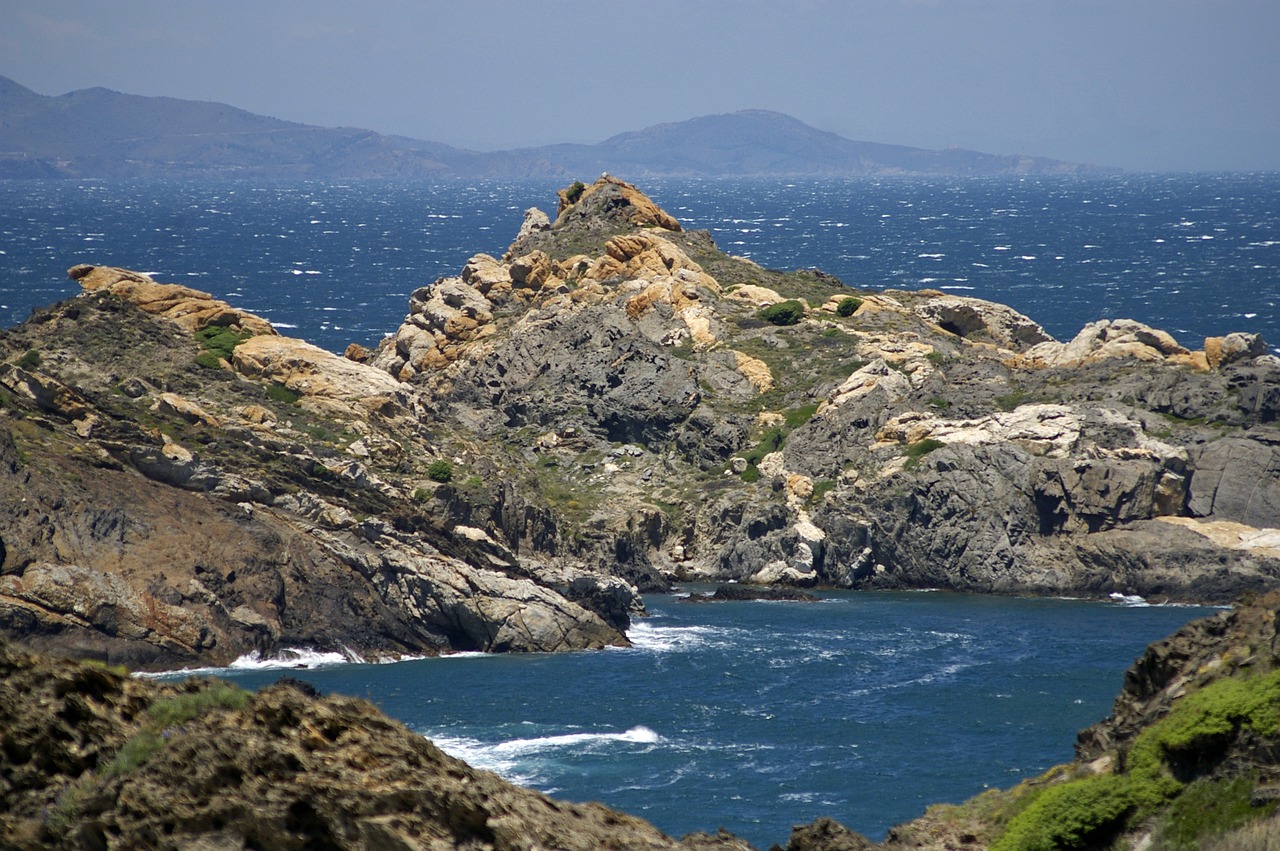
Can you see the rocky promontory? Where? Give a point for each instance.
(611, 406)
(690, 415)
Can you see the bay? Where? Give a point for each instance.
(754, 716)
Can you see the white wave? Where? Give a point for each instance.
(1132, 601)
(644, 636)
(294, 657)
(515, 759)
(284, 325)
(290, 658)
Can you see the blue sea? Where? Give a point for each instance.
(755, 716)
(334, 263)
(750, 716)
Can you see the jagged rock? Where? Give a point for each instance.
(972, 317)
(190, 309)
(613, 197)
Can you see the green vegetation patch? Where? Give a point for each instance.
(279, 393)
(848, 305)
(1193, 737)
(181, 708)
(218, 343)
(30, 359)
(921, 448)
(1208, 808)
(440, 470)
(788, 312)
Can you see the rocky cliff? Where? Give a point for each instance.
(181, 484)
(690, 415)
(612, 405)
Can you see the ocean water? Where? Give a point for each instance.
(751, 716)
(755, 716)
(334, 262)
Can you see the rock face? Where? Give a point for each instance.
(95, 758)
(163, 513)
(607, 407)
(923, 440)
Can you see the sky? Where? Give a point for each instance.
(1147, 85)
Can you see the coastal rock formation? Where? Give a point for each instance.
(169, 510)
(612, 405)
(922, 440)
(96, 758)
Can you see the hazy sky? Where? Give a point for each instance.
(1141, 84)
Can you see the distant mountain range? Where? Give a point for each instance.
(102, 133)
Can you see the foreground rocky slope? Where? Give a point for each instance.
(691, 415)
(93, 758)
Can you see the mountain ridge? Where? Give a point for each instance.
(101, 133)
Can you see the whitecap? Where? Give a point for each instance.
(1130, 600)
(644, 636)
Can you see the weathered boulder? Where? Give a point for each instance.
(191, 309)
(327, 383)
(974, 318)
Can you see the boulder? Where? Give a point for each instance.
(983, 320)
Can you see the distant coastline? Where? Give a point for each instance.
(99, 133)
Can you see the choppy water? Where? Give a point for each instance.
(334, 262)
(866, 707)
(753, 716)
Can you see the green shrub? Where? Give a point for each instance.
(770, 442)
(787, 312)
(421, 495)
(921, 448)
(209, 360)
(29, 360)
(574, 192)
(133, 754)
(220, 340)
(1207, 808)
(180, 708)
(848, 305)
(280, 393)
(1078, 814)
(751, 473)
(797, 417)
(440, 470)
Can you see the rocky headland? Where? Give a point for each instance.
(612, 406)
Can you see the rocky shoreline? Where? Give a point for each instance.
(611, 407)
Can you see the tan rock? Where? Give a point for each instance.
(1235, 536)
(190, 309)
(171, 404)
(756, 295)
(968, 317)
(875, 375)
(643, 212)
(328, 383)
(755, 370)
